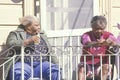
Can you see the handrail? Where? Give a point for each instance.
(78, 54)
(8, 60)
(2, 53)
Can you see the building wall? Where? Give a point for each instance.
(115, 16)
(12, 10)
(111, 10)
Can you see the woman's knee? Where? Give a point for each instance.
(106, 68)
(18, 71)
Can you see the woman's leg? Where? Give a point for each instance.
(46, 71)
(106, 71)
(81, 73)
(17, 71)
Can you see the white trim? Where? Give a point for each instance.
(96, 7)
(74, 32)
(28, 7)
(43, 14)
(58, 33)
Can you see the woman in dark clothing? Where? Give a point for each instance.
(35, 43)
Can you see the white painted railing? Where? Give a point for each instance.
(68, 61)
(68, 50)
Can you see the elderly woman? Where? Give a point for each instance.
(29, 35)
(96, 42)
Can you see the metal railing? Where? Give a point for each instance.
(69, 58)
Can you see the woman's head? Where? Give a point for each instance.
(98, 24)
(31, 24)
(98, 21)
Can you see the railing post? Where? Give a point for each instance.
(22, 61)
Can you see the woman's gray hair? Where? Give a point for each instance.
(99, 21)
(27, 20)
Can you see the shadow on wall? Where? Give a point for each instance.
(16, 1)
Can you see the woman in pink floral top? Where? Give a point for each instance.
(95, 43)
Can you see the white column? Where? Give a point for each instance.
(43, 15)
(29, 7)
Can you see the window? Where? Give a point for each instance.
(67, 14)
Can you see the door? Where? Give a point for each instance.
(64, 17)
(67, 20)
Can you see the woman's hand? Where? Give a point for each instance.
(107, 42)
(36, 39)
(33, 40)
(100, 41)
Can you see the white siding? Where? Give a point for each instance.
(115, 16)
(10, 12)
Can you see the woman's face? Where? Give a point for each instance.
(35, 27)
(98, 31)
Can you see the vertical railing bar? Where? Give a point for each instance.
(78, 60)
(76, 67)
(93, 66)
(63, 57)
(118, 65)
(22, 61)
(101, 66)
(32, 66)
(71, 58)
(68, 66)
(3, 72)
(50, 68)
(85, 66)
(59, 66)
(14, 67)
(41, 67)
(77, 57)
(55, 49)
(109, 65)
(55, 43)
